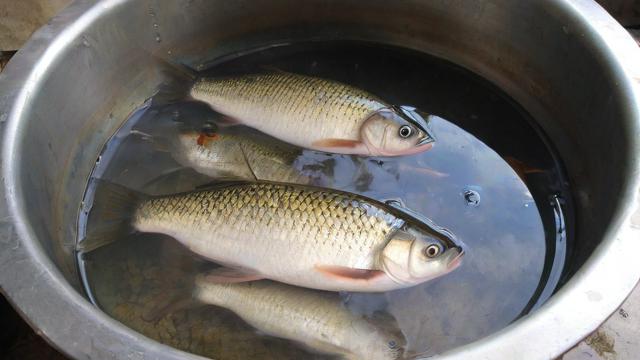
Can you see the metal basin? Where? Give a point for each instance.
(568, 63)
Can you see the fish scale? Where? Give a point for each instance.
(281, 100)
(322, 227)
(316, 318)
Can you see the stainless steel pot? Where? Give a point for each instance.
(566, 61)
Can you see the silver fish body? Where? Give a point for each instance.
(233, 156)
(302, 235)
(316, 113)
(317, 319)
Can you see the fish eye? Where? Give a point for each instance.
(405, 131)
(208, 130)
(431, 251)
(392, 344)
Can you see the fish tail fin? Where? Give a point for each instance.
(170, 300)
(175, 291)
(203, 291)
(163, 305)
(177, 81)
(109, 215)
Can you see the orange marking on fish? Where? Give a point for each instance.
(423, 170)
(203, 139)
(521, 168)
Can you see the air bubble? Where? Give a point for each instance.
(472, 197)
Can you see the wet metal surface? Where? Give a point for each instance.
(619, 337)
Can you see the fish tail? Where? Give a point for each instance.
(174, 293)
(110, 215)
(171, 299)
(177, 81)
(162, 306)
(200, 293)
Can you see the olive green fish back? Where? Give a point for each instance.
(307, 218)
(286, 93)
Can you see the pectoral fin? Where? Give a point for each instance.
(225, 275)
(521, 168)
(328, 144)
(346, 273)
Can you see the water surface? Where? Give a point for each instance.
(490, 179)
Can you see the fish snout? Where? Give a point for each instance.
(426, 139)
(457, 253)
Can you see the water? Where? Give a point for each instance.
(491, 179)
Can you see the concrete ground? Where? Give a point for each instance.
(617, 339)
(19, 18)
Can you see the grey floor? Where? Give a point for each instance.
(617, 338)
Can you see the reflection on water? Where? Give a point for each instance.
(462, 184)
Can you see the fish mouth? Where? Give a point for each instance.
(377, 151)
(457, 258)
(426, 140)
(416, 149)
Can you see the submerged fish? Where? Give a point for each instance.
(296, 234)
(316, 113)
(317, 319)
(229, 155)
(521, 169)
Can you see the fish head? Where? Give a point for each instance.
(395, 131)
(414, 255)
(376, 336)
(207, 136)
(392, 343)
(388, 346)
